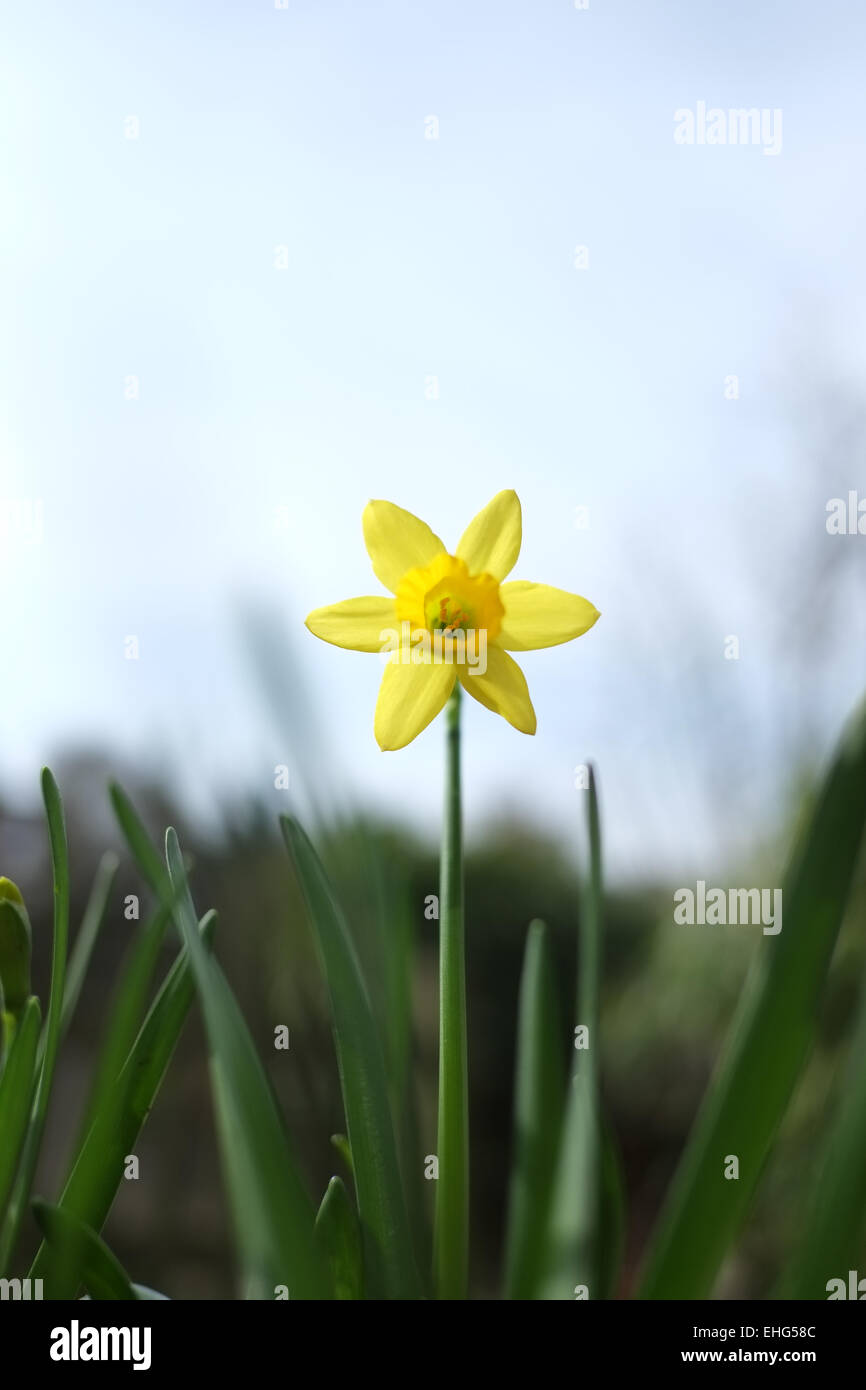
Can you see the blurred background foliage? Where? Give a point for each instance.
(669, 994)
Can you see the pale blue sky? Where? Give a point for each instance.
(274, 403)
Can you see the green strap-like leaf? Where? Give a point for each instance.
(50, 1041)
(125, 1016)
(87, 1257)
(17, 1081)
(389, 1264)
(91, 925)
(573, 1256)
(612, 1224)
(768, 1043)
(395, 942)
(143, 851)
(273, 1215)
(339, 1235)
(272, 1211)
(97, 1170)
(835, 1221)
(539, 1092)
(341, 1144)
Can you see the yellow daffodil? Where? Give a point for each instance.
(450, 617)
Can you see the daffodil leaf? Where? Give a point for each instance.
(573, 1255)
(16, 1095)
(98, 1168)
(612, 1215)
(50, 1041)
(389, 960)
(272, 1211)
(143, 851)
(835, 1220)
(341, 1144)
(126, 1013)
(273, 1215)
(389, 1264)
(539, 1092)
(88, 1258)
(91, 925)
(768, 1042)
(339, 1235)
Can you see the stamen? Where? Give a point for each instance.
(450, 624)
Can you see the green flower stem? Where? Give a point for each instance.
(451, 1238)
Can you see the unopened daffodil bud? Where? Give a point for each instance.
(14, 948)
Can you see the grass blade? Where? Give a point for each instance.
(612, 1228)
(91, 925)
(341, 1144)
(389, 1265)
(573, 1257)
(127, 1011)
(97, 1170)
(835, 1224)
(88, 1258)
(273, 1214)
(51, 1037)
(17, 1081)
(339, 1235)
(769, 1040)
(539, 1092)
(141, 847)
(395, 929)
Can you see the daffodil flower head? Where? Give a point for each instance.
(450, 617)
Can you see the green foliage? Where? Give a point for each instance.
(389, 1264)
(572, 1255)
(566, 1207)
(768, 1043)
(339, 1234)
(539, 1096)
(136, 1051)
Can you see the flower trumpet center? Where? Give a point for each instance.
(444, 597)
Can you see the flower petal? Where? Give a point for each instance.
(537, 615)
(502, 688)
(357, 623)
(397, 542)
(410, 697)
(491, 542)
